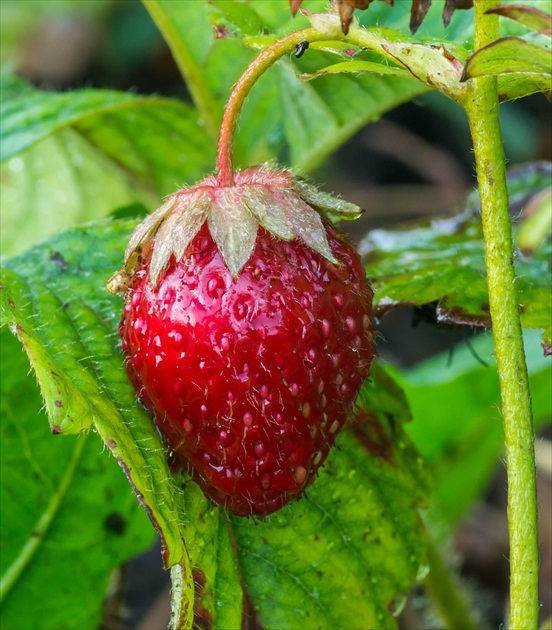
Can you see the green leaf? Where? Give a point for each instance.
(72, 157)
(374, 546)
(510, 55)
(59, 501)
(455, 403)
(357, 67)
(55, 300)
(441, 262)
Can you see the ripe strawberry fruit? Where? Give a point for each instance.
(248, 361)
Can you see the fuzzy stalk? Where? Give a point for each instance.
(253, 72)
(483, 115)
(445, 592)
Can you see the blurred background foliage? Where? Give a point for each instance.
(415, 162)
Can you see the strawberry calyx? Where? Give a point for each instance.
(285, 206)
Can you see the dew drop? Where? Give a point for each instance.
(141, 326)
(136, 298)
(225, 343)
(178, 340)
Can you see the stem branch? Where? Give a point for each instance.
(482, 111)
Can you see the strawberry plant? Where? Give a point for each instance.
(204, 406)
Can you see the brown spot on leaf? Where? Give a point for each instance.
(11, 303)
(58, 403)
(56, 429)
(371, 435)
(202, 617)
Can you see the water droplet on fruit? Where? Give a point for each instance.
(213, 285)
(204, 411)
(136, 298)
(312, 354)
(141, 326)
(178, 339)
(344, 389)
(225, 343)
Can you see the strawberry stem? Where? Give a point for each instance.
(254, 71)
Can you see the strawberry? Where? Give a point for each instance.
(247, 333)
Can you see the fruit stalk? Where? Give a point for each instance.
(242, 88)
(482, 111)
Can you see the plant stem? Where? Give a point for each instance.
(242, 88)
(482, 111)
(445, 592)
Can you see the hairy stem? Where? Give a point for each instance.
(242, 88)
(482, 110)
(445, 592)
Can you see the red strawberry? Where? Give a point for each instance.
(249, 363)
